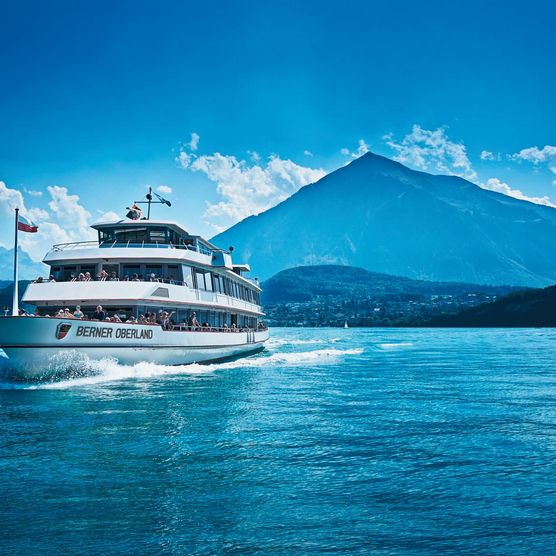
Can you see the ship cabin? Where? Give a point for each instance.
(141, 266)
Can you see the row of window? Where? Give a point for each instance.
(191, 277)
(209, 281)
(214, 319)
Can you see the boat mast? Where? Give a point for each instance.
(149, 202)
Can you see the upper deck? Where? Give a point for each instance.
(143, 240)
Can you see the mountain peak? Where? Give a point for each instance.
(378, 214)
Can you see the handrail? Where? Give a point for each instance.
(128, 245)
(182, 327)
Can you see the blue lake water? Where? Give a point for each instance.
(331, 441)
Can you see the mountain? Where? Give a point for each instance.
(305, 283)
(6, 294)
(380, 215)
(521, 309)
(329, 295)
(28, 268)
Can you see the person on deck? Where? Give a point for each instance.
(77, 314)
(193, 322)
(99, 314)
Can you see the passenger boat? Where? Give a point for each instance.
(168, 297)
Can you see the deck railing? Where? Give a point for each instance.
(128, 245)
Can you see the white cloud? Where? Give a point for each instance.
(308, 153)
(33, 193)
(487, 155)
(494, 184)
(109, 216)
(66, 207)
(362, 148)
(248, 188)
(255, 156)
(164, 189)
(184, 159)
(432, 150)
(67, 220)
(10, 199)
(194, 143)
(536, 155)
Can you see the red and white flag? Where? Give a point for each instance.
(26, 225)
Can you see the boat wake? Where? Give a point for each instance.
(399, 345)
(97, 372)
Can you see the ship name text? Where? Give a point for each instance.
(120, 332)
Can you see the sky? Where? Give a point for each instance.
(227, 108)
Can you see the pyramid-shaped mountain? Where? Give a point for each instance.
(380, 215)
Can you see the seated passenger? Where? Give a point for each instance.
(113, 277)
(77, 313)
(131, 320)
(99, 313)
(135, 278)
(39, 280)
(88, 277)
(81, 277)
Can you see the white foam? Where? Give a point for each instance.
(279, 342)
(293, 358)
(399, 345)
(109, 370)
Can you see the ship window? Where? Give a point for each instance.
(69, 273)
(200, 279)
(203, 280)
(208, 281)
(106, 236)
(173, 273)
(158, 236)
(132, 236)
(153, 269)
(187, 276)
(129, 270)
(217, 283)
(90, 268)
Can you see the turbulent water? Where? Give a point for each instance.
(330, 441)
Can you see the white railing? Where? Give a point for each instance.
(125, 245)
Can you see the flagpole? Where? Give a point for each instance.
(15, 302)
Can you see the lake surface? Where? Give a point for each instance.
(331, 441)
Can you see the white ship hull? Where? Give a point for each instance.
(41, 347)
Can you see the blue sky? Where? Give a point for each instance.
(98, 100)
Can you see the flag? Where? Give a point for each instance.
(163, 200)
(25, 225)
